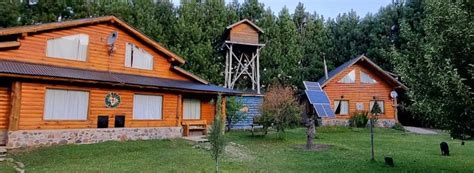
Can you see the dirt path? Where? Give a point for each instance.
(419, 130)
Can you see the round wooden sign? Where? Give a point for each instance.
(112, 100)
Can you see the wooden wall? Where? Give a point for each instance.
(33, 49)
(32, 108)
(244, 33)
(360, 93)
(4, 106)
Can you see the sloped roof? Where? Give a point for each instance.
(8, 67)
(89, 21)
(246, 21)
(323, 81)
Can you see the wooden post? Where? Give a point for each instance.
(258, 70)
(223, 106)
(179, 111)
(15, 106)
(229, 85)
(395, 109)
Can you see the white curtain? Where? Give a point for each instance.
(344, 104)
(73, 47)
(365, 78)
(147, 107)
(66, 105)
(138, 58)
(349, 78)
(380, 103)
(192, 109)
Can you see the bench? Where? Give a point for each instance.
(188, 126)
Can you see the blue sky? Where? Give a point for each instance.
(328, 8)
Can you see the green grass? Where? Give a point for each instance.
(350, 153)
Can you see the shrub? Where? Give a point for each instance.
(280, 109)
(398, 126)
(359, 119)
(233, 112)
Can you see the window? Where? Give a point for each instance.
(349, 78)
(147, 107)
(66, 105)
(192, 109)
(73, 47)
(136, 57)
(365, 78)
(380, 103)
(341, 107)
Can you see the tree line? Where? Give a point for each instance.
(428, 43)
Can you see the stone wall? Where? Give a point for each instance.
(387, 123)
(35, 138)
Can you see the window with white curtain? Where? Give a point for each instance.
(191, 109)
(380, 103)
(136, 57)
(73, 47)
(349, 78)
(365, 78)
(341, 107)
(66, 105)
(147, 107)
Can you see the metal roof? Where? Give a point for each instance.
(30, 69)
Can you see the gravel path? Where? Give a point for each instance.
(419, 130)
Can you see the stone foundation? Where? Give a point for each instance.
(387, 123)
(35, 138)
(3, 137)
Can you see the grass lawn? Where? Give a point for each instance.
(350, 152)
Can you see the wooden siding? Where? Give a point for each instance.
(33, 49)
(31, 116)
(4, 106)
(208, 108)
(244, 33)
(360, 93)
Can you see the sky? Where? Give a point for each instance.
(327, 8)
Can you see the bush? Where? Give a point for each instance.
(359, 119)
(280, 109)
(398, 126)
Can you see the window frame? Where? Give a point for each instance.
(64, 88)
(148, 94)
(200, 109)
(377, 100)
(347, 74)
(348, 106)
(67, 59)
(152, 65)
(360, 77)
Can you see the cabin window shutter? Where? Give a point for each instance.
(365, 78)
(191, 109)
(147, 107)
(349, 78)
(136, 57)
(73, 47)
(66, 105)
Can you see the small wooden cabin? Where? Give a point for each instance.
(355, 86)
(243, 32)
(70, 82)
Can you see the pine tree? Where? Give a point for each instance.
(216, 134)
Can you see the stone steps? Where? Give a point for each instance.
(3, 153)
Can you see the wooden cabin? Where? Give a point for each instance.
(93, 80)
(355, 86)
(243, 32)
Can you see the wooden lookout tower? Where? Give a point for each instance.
(243, 54)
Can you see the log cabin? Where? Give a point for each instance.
(356, 86)
(93, 80)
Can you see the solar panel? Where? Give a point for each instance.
(328, 110)
(312, 86)
(317, 97)
(319, 110)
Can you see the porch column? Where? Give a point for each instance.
(15, 106)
